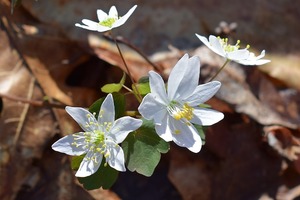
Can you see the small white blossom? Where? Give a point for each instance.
(233, 52)
(176, 109)
(106, 21)
(99, 139)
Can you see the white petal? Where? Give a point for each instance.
(254, 62)
(90, 23)
(159, 116)
(157, 86)
(204, 40)
(123, 19)
(113, 13)
(93, 26)
(218, 49)
(64, 145)
(122, 127)
(80, 115)
(101, 15)
(116, 157)
(164, 130)
(88, 166)
(237, 55)
(107, 111)
(186, 135)
(86, 27)
(150, 107)
(216, 45)
(203, 93)
(206, 117)
(184, 77)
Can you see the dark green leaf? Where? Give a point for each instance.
(142, 149)
(144, 79)
(105, 177)
(75, 162)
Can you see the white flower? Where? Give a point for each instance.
(99, 139)
(233, 52)
(106, 21)
(176, 110)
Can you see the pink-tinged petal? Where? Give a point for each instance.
(186, 135)
(123, 19)
(113, 13)
(184, 77)
(107, 111)
(238, 55)
(158, 90)
(115, 158)
(150, 107)
(206, 117)
(83, 117)
(89, 166)
(203, 93)
(164, 130)
(71, 146)
(101, 15)
(122, 127)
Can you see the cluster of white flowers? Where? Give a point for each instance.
(174, 109)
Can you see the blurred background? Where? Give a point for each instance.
(46, 63)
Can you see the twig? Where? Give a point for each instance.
(138, 96)
(212, 78)
(130, 45)
(23, 114)
(33, 102)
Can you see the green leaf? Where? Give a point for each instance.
(105, 177)
(142, 149)
(144, 79)
(114, 87)
(119, 102)
(143, 88)
(201, 132)
(75, 162)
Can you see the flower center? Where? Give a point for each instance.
(181, 111)
(228, 47)
(108, 22)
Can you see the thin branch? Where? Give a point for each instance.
(130, 45)
(138, 96)
(33, 102)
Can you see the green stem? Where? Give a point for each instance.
(212, 78)
(138, 95)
